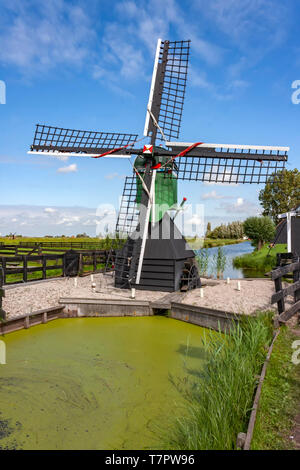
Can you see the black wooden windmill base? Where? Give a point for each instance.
(168, 265)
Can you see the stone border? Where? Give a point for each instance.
(203, 316)
(86, 307)
(30, 319)
(73, 307)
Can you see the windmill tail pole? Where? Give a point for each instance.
(145, 233)
(180, 207)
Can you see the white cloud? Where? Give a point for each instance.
(68, 169)
(38, 221)
(240, 206)
(37, 36)
(212, 195)
(248, 21)
(195, 220)
(50, 210)
(115, 175)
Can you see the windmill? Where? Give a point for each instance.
(156, 255)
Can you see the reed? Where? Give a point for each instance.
(219, 397)
(219, 262)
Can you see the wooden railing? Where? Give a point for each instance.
(88, 245)
(281, 293)
(25, 265)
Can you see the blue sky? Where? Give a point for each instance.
(88, 65)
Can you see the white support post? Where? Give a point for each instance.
(153, 198)
(155, 67)
(139, 271)
(289, 231)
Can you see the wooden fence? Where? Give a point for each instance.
(281, 293)
(25, 265)
(55, 244)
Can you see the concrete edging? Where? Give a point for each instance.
(202, 316)
(30, 319)
(86, 307)
(73, 307)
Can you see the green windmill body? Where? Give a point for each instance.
(165, 185)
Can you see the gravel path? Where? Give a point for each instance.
(25, 299)
(254, 294)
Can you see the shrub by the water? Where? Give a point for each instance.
(220, 396)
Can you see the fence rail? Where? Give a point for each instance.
(70, 263)
(55, 244)
(281, 293)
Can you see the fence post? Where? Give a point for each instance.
(3, 270)
(296, 277)
(64, 264)
(95, 261)
(80, 270)
(44, 261)
(24, 268)
(278, 287)
(2, 294)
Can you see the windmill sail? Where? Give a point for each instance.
(167, 89)
(128, 216)
(57, 139)
(226, 163)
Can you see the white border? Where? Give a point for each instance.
(65, 154)
(228, 146)
(150, 101)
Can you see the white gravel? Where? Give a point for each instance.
(31, 297)
(254, 295)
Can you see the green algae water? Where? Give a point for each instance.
(94, 383)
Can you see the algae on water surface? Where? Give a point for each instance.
(94, 383)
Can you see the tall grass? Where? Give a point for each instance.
(220, 262)
(220, 395)
(203, 261)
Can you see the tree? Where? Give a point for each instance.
(259, 230)
(281, 193)
(232, 230)
(208, 230)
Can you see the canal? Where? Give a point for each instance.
(231, 251)
(95, 383)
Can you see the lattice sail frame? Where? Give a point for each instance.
(49, 138)
(128, 216)
(168, 86)
(221, 163)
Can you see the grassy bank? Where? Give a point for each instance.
(280, 398)
(264, 259)
(198, 243)
(220, 396)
